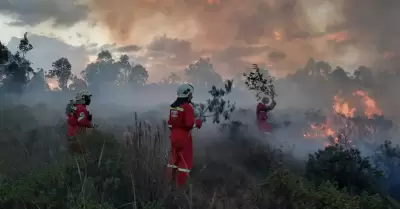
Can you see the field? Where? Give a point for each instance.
(231, 171)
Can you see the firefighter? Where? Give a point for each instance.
(181, 121)
(267, 104)
(79, 119)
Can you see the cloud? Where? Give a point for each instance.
(34, 12)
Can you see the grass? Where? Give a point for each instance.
(122, 172)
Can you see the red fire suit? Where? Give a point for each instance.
(262, 116)
(78, 121)
(181, 121)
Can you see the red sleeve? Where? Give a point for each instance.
(259, 108)
(83, 118)
(189, 117)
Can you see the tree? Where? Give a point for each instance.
(77, 83)
(130, 73)
(62, 71)
(38, 81)
(18, 71)
(103, 70)
(387, 156)
(24, 45)
(4, 54)
(364, 76)
(202, 74)
(4, 58)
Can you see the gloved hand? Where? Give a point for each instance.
(198, 123)
(90, 117)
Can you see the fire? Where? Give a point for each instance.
(371, 108)
(319, 131)
(342, 107)
(339, 36)
(340, 123)
(213, 1)
(278, 36)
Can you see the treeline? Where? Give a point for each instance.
(17, 75)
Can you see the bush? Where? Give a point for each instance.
(346, 167)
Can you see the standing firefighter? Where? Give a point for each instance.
(181, 121)
(79, 119)
(267, 104)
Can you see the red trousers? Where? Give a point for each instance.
(181, 160)
(263, 125)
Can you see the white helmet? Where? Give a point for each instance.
(82, 94)
(267, 100)
(184, 90)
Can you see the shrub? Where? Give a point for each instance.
(346, 167)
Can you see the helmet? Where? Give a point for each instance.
(82, 95)
(267, 100)
(184, 90)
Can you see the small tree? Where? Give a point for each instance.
(24, 45)
(260, 83)
(216, 106)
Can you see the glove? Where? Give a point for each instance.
(90, 117)
(198, 123)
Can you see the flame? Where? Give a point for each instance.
(213, 2)
(318, 131)
(339, 36)
(340, 124)
(342, 107)
(278, 36)
(371, 108)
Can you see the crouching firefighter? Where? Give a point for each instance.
(79, 119)
(263, 108)
(181, 121)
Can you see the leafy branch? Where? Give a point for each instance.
(261, 84)
(216, 107)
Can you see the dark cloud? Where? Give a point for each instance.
(128, 48)
(47, 50)
(34, 12)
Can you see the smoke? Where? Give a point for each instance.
(345, 33)
(281, 34)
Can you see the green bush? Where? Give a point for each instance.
(346, 167)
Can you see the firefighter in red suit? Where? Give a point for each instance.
(79, 119)
(181, 121)
(267, 104)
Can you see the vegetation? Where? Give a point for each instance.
(36, 170)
